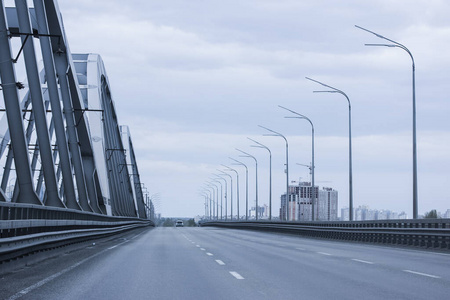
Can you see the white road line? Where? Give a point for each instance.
(422, 274)
(220, 262)
(363, 261)
(300, 249)
(236, 275)
(203, 249)
(198, 246)
(324, 253)
(209, 254)
(50, 278)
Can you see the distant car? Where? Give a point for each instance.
(179, 223)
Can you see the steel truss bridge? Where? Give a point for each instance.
(69, 169)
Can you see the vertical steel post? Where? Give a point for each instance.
(259, 145)
(350, 175)
(414, 142)
(221, 199)
(415, 193)
(231, 198)
(350, 168)
(256, 184)
(246, 189)
(274, 133)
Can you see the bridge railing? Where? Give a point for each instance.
(428, 233)
(18, 219)
(27, 228)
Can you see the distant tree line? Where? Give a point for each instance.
(432, 214)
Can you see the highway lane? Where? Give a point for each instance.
(213, 263)
(319, 269)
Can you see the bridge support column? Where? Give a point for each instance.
(48, 165)
(61, 139)
(61, 70)
(14, 116)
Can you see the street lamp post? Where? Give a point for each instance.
(210, 201)
(246, 187)
(350, 176)
(226, 189)
(313, 191)
(237, 191)
(221, 199)
(216, 198)
(207, 191)
(204, 194)
(398, 45)
(259, 145)
(256, 172)
(231, 198)
(274, 133)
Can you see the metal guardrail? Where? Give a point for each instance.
(26, 228)
(427, 233)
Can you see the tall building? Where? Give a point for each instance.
(300, 208)
(292, 204)
(345, 214)
(327, 205)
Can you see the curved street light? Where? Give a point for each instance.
(204, 194)
(256, 172)
(207, 189)
(210, 201)
(274, 133)
(221, 199)
(216, 198)
(231, 193)
(259, 145)
(237, 191)
(398, 45)
(350, 175)
(226, 189)
(313, 191)
(246, 187)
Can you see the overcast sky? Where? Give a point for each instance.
(193, 79)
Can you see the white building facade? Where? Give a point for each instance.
(300, 208)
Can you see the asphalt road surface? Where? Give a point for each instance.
(213, 263)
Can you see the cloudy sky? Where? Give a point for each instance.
(193, 79)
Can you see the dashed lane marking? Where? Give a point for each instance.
(220, 262)
(236, 275)
(324, 253)
(209, 254)
(363, 261)
(421, 274)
